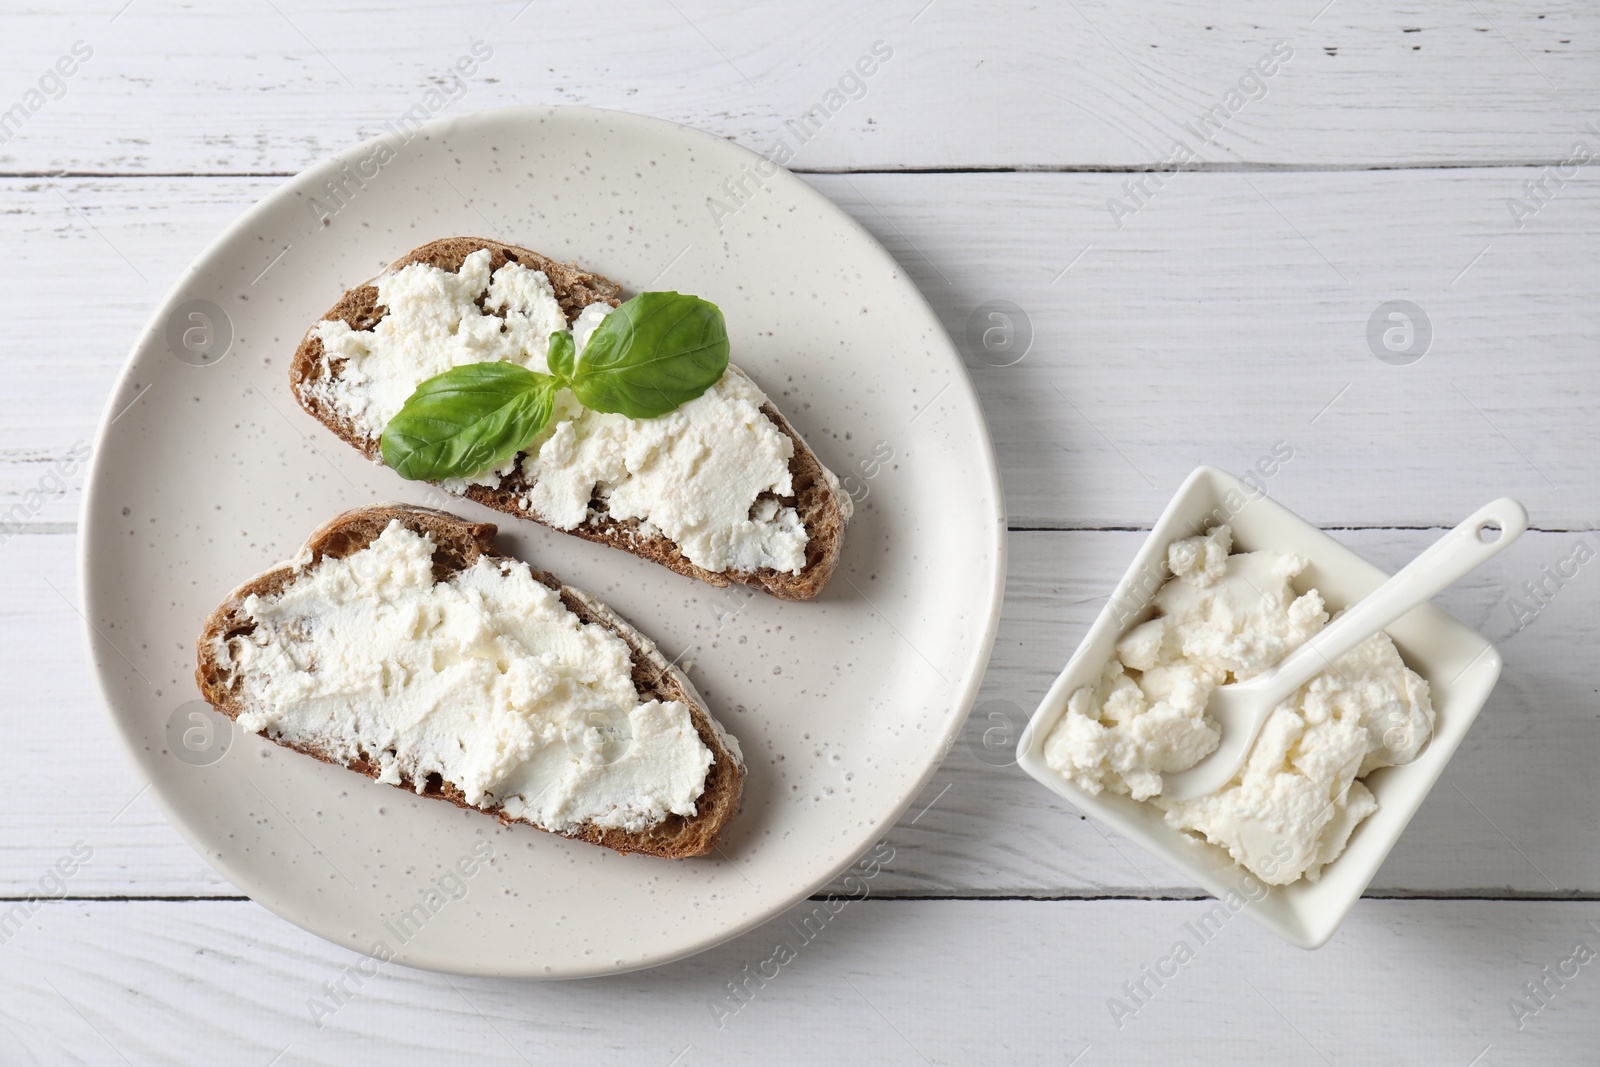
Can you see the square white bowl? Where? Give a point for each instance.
(1459, 664)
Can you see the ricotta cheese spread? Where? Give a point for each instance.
(485, 679)
(1225, 617)
(434, 323)
(707, 476)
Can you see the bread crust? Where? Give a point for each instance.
(823, 506)
(458, 545)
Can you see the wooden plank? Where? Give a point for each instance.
(890, 982)
(1232, 313)
(1236, 306)
(276, 87)
(981, 828)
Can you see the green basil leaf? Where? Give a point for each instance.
(468, 420)
(561, 354)
(653, 353)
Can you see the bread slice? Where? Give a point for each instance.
(458, 544)
(823, 506)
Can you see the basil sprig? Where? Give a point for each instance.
(471, 418)
(652, 354)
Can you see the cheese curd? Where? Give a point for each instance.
(1225, 617)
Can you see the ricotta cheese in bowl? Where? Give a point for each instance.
(1336, 777)
(1223, 617)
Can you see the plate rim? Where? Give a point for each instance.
(966, 690)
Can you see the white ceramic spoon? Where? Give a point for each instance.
(1242, 707)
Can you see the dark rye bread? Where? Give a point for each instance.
(457, 545)
(821, 503)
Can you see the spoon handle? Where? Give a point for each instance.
(1446, 561)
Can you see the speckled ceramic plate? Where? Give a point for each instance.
(206, 472)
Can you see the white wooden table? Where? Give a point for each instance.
(1209, 313)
